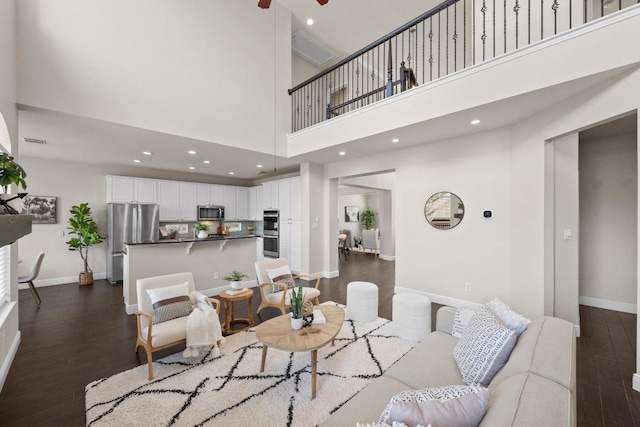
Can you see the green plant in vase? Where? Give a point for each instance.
(235, 279)
(368, 218)
(84, 227)
(11, 173)
(202, 230)
(297, 301)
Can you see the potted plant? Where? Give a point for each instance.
(84, 227)
(235, 279)
(368, 218)
(11, 173)
(297, 301)
(202, 230)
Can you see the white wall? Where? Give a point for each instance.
(608, 220)
(9, 334)
(184, 68)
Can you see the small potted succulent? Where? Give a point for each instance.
(11, 173)
(297, 300)
(235, 279)
(202, 230)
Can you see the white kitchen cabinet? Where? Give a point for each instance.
(290, 246)
(204, 194)
(216, 194)
(242, 202)
(259, 248)
(284, 190)
(229, 202)
(270, 195)
(188, 202)
(294, 198)
(256, 204)
(123, 189)
(169, 199)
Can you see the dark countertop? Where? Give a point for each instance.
(212, 238)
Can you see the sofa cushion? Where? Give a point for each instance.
(484, 348)
(307, 293)
(510, 318)
(428, 364)
(529, 400)
(453, 406)
(461, 320)
(366, 405)
(167, 332)
(281, 275)
(170, 302)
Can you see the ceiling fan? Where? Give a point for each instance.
(264, 4)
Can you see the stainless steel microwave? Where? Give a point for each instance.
(210, 213)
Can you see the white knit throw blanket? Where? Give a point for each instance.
(203, 327)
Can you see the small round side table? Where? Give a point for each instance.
(229, 317)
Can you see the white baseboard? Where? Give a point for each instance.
(212, 292)
(609, 305)
(331, 274)
(636, 381)
(60, 281)
(4, 370)
(387, 257)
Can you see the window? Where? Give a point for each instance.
(5, 279)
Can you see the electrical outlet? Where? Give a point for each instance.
(216, 275)
(467, 286)
(61, 233)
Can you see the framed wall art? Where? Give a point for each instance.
(42, 208)
(351, 214)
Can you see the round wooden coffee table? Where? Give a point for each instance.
(229, 316)
(277, 333)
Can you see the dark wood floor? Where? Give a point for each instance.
(81, 334)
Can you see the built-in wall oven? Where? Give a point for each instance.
(271, 233)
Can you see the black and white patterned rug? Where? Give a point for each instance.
(229, 390)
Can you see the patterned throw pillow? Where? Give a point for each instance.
(170, 302)
(456, 405)
(281, 275)
(461, 320)
(510, 318)
(484, 348)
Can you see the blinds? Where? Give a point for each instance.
(5, 279)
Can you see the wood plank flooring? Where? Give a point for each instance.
(81, 334)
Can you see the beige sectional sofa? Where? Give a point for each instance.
(536, 387)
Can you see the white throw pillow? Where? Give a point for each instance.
(451, 406)
(461, 320)
(484, 348)
(281, 275)
(170, 302)
(510, 318)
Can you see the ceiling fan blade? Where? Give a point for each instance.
(264, 4)
(323, 2)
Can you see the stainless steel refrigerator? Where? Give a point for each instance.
(128, 223)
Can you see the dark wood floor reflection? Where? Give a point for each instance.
(81, 334)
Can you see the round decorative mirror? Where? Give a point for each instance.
(444, 210)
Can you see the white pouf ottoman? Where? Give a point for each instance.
(362, 301)
(411, 316)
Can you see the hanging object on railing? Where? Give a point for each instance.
(264, 4)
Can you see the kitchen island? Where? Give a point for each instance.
(205, 258)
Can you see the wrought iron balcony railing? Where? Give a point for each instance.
(448, 38)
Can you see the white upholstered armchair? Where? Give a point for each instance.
(271, 289)
(157, 336)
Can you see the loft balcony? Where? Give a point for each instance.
(511, 57)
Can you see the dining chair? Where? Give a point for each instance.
(35, 270)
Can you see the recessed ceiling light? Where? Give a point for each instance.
(309, 21)
(147, 153)
(342, 153)
(191, 167)
(475, 122)
(191, 152)
(206, 162)
(395, 140)
(137, 161)
(231, 173)
(258, 166)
